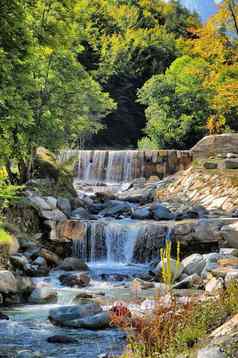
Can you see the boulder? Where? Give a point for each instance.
(214, 285)
(213, 145)
(63, 204)
(189, 282)
(29, 354)
(39, 203)
(141, 213)
(230, 163)
(210, 165)
(20, 262)
(40, 261)
(115, 208)
(3, 317)
(44, 294)
(54, 215)
(231, 276)
(52, 201)
(137, 283)
(175, 268)
(78, 280)
(142, 196)
(50, 257)
(80, 213)
(24, 285)
(228, 251)
(73, 264)
(160, 212)
(8, 282)
(63, 314)
(194, 263)
(211, 352)
(94, 322)
(230, 234)
(62, 340)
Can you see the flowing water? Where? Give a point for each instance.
(109, 247)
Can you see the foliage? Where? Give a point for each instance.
(177, 103)
(46, 96)
(5, 237)
(177, 328)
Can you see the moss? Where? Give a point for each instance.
(58, 176)
(5, 237)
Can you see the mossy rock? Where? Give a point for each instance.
(59, 175)
(45, 164)
(8, 243)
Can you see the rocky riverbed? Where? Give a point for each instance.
(79, 259)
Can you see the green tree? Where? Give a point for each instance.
(177, 104)
(46, 96)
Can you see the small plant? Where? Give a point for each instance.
(165, 254)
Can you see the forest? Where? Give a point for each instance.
(113, 73)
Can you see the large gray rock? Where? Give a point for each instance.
(160, 212)
(63, 204)
(29, 354)
(39, 203)
(194, 263)
(20, 262)
(69, 313)
(214, 285)
(80, 213)
(98, 321)
(50, 257)
(116, 207)
(75, 280)
(54, 215)
(8, 282)
(230, 234)
(141, 213)
(176, 269)
(216, 144)
(73, 264)
(45, 294)
(231, 164)
(24, 285)
(189, 282)
(211, 352)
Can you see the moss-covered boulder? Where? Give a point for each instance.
(55, 177)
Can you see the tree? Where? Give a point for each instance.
(177, 104)
(46, 96)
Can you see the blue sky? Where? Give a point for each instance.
(205, 8)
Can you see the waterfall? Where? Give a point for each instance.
(120, 241)
(114, 166)
(111, 242)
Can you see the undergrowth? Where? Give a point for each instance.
(177, 329)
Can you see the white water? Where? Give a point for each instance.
(120, 241)
(107, 166)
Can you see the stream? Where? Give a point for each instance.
(29, 328)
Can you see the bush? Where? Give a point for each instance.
(175, 328)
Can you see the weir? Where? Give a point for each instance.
(122, 166)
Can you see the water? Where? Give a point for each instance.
(112, 241)
(29, 328)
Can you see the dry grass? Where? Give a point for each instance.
(177, 329)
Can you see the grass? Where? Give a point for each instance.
(179, 329)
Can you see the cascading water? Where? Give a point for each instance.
(107, 166)
(120, 241)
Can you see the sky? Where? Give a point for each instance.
(205, 8)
